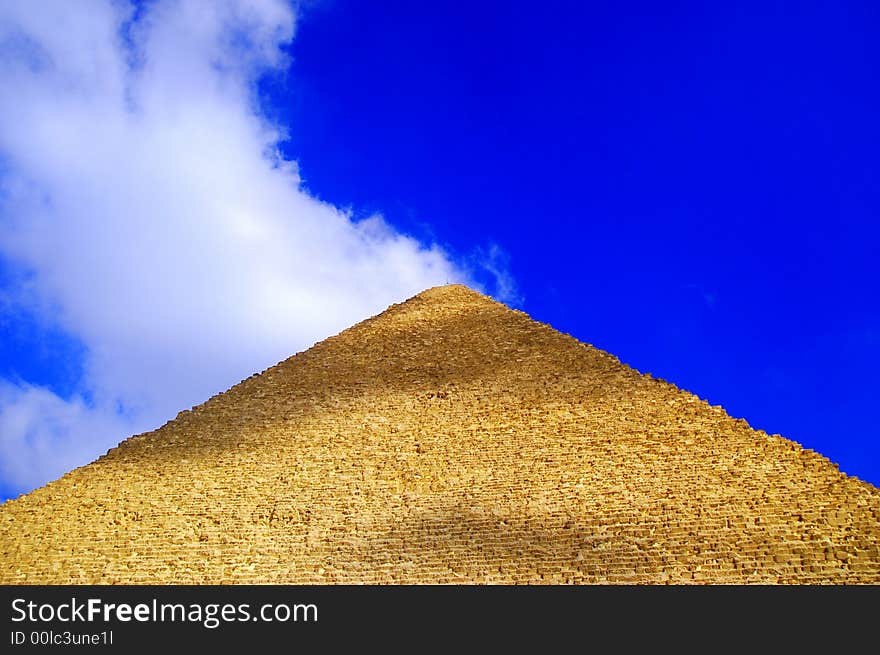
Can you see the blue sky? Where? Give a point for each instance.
(191, 194)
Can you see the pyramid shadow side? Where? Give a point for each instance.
(403, 356)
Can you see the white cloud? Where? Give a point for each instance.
(143, 195)
(495, 261)
(52, 434)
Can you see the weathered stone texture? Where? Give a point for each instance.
(449, 439)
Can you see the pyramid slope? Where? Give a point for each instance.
(449, 439)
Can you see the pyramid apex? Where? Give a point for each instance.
(456, 291)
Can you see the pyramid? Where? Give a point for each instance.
(449, 439)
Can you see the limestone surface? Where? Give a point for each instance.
(449, 440)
